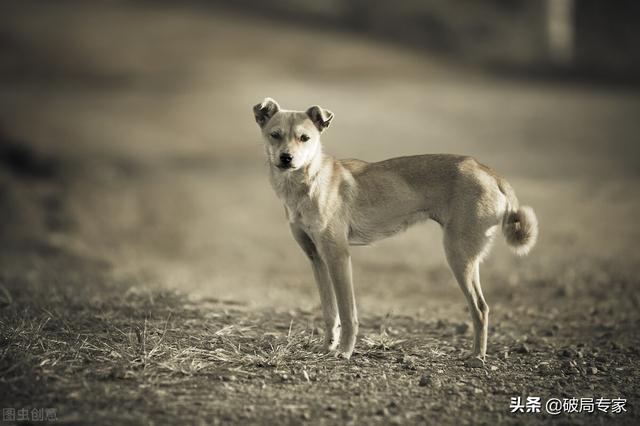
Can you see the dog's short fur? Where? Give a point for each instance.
(331, 204)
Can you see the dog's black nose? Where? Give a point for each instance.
(285, 159)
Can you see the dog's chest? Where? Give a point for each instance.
(305, 213)
(309, 205)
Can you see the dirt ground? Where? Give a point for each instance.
(147, 274)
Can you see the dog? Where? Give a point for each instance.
(331, 204)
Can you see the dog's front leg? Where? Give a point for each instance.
(335, 252)
(325, 288)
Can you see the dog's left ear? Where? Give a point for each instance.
(320, 117)
(265, 110)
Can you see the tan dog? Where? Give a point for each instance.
(331, 204)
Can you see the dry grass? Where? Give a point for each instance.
(129, 346)
(154, 356)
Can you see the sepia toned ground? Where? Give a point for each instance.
(147, 274)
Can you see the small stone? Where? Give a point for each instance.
(306, 415)
(409, 363)
(565, 291)
(592, 370)
(493, 368)
(383, 412)
(570, 367)
(567, 353)
(474, 362)
(396, 421)
(348, 417)
(430, 381)
(547, 332)
(230, 378)
(545, 368)
(392, 331)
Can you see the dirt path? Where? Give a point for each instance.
(130, 168)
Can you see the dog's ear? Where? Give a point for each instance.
(265, 110)
(320, 117)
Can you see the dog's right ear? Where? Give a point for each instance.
(265, 110)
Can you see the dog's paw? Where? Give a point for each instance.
(474, 361)
(330, 345)
(343, 354)
(345, 350)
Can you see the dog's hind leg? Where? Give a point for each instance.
(464, 251)
(484, 310)
(325, 288)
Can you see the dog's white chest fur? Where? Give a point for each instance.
(313, 202)
(302, 206)
(305, 213)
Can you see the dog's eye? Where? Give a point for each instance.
(275, 135)
(304, 138)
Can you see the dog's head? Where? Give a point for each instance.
(292, 138)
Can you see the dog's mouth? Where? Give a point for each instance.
(285, 167)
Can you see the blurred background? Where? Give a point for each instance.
(127, 141)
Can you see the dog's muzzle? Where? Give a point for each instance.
(286, 161)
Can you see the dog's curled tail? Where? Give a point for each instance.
(519, 224)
